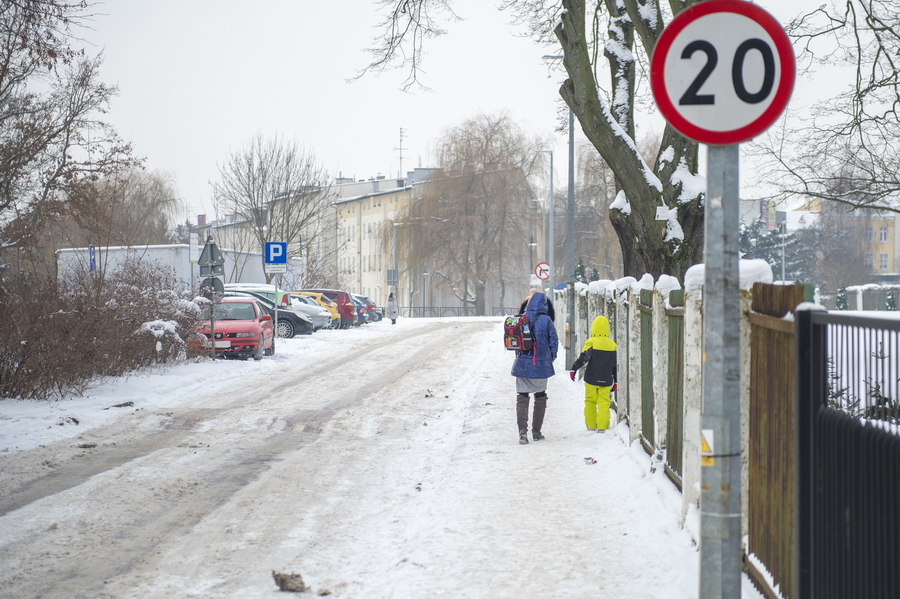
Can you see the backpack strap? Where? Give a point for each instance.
(534, 342)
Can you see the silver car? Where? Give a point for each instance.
(320, 317)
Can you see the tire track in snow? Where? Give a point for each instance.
(177, 426)
(111, 533)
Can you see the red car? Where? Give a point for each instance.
(345, 305)
(242, 330)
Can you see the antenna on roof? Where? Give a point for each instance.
(401, 152)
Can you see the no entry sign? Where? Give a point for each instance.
(722, 71)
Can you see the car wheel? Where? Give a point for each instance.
(258, 354)
(270, 351)
(307, 330)
(285, 329)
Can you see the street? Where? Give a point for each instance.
(379, 462)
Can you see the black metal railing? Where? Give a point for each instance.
(848, 456)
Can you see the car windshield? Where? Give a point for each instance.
(233, 311)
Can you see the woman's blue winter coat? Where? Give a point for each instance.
(546, 342)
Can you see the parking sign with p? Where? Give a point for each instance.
(276, 252)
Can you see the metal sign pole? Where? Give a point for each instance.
(571, 338)
(720, 472)
(275, 331)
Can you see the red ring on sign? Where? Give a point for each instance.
(785, 82)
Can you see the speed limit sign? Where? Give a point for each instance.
(722, 71)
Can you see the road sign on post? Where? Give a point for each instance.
(542, 271)
(276, 257)
(721, 73)
(212, 266)
(393, 278)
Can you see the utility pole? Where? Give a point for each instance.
(570, 246)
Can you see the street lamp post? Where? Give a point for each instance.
(531, 246)
(550, 241)
(543, 254)
(396, 279)
(570, 286)
(424, 287)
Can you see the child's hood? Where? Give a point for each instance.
(600, 327)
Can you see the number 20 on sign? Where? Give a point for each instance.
(722, 71)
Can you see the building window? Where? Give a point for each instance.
(882, 262)
(869, 233)
(882, 234)
(870, 260)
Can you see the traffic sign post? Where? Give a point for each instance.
(212, 266)
(542, 271)
(721, 73)
(276, 263)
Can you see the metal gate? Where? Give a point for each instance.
(848, 456)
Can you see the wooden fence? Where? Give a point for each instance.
(770, 509)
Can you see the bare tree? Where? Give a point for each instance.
(135, 208)
(844, 149)
(281, 191)
(617, 37)
(51, 137)
(595, 239)
(472, 223)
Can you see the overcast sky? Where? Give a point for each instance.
(198, 78)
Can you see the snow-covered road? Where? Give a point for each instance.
(379, 462)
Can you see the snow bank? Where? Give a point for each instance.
(666, 285)
(646, 282)
(598, 287)
(751, 271)
(755, 271)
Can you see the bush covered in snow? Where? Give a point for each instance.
(56, 337)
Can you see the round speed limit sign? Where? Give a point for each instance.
(722, 71)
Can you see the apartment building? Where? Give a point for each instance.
(365, 213)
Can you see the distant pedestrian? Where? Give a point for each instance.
(598, 356)
(532, 368)
(392, 311)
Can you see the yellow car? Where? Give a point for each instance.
(325, 303)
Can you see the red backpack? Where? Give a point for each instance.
(517, 333)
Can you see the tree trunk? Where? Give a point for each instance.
(648, 245)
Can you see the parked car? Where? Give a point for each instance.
(269, 291)
(325, 303)
(321, 317)
(373, 311)
(362, 317)
(345, 305)
(290, 321)
(241, 326)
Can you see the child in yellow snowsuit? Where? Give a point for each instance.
(599, 358)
